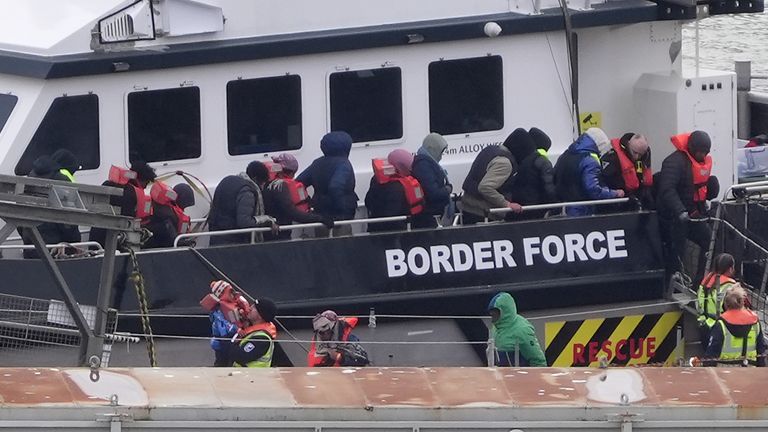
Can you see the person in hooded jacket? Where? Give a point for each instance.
(737, 337)
(45, 167)
(534, 183)
(513, 335)
(68, 163)
(279, 204)
(578, 172)
(388, 199)
(238, 203)
(489, 183)
(164, 222)
(332, 178)
(681, 196)
(145, 175)
(542, 140)
(627, 166)
(333, 343)
(433, 180)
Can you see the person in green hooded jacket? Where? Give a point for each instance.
(511, 333)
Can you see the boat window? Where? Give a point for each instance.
(72, 123)
(368, 104)
(164, 125)
(264, 115)
(7, 103)
(466, 95)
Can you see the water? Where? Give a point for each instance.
(726, 38)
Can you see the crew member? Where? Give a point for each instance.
(627, 166)
(134, 202)
(68, 164)
(709, 302)
(433, 179)
(333, 343)
(256, 340)
(168, 219)
(333, 180)
(287, 200)
(578, 172)
(238, 203)
(534, 183)
(490, 181)
(737, 337)
(513, 335)
(684, 185)
(393, 192)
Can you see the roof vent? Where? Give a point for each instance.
(132, 23)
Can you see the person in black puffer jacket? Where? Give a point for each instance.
(433, 180)
(679, 200)
(333, 180)
(535, 182)
(238, 203)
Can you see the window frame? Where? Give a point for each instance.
(53, 98)
(4, 123)
(302, 98)
(162, 87)
(470, 56)
(403, 105)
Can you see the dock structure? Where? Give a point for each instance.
(385, 399)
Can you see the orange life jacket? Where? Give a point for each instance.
(711, 279)
(701, 171)
(313, 360)
(414, 195)
(126, 177)
(299, 195)
(164, 195)
(267, 327)
(632, 172)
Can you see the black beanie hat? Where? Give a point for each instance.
(266, 308)
(624, 140)
(66, 159)
(699, 142)
(541, 139)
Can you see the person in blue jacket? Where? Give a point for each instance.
(578, 172)
(333, 179)
(433, 180)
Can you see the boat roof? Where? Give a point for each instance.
(55, 39)
(386, 394)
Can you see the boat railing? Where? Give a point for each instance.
(256, 230)
(560, 205)
(90, 245)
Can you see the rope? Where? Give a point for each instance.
(141, 293)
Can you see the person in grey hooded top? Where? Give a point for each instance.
(433, 180)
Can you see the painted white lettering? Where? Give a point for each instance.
(502, 251)
(418, 266)
(482, 252)
(531, 248)
(596, 252)
(441, 257)
(462, 257)
(574, 247)
(396, 263)
(546, 249)
(616, 244)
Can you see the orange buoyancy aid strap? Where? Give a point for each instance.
(121, 176)
(162, 194)
(701, 170)
(184, 221)
(413, 194)
(143, 202)
(267, 327)
(298, 193)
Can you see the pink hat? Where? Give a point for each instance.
(402, 160)
(287, 161)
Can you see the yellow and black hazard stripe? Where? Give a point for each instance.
(628, 340)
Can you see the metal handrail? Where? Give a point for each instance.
(288, 228)
(97, 245)
(502, 210)
(757, 186)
